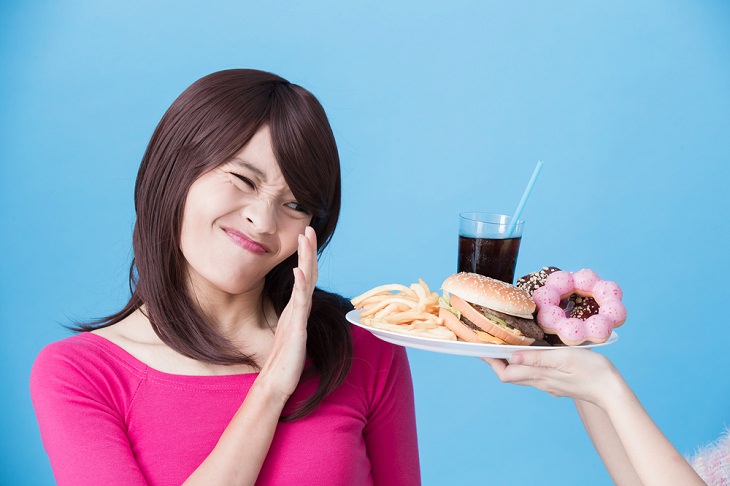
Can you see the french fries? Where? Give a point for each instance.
(410, 310)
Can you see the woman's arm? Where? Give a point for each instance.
(240, 452)
(390, 432)
(83, 433)
(607, 443)
(630, 444)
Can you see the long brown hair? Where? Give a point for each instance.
(207, 125)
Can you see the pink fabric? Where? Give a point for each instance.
(106, 418)
(712, 462)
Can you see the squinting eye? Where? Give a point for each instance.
(244, 179)
(297, 207)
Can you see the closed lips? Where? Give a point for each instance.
(245, 242)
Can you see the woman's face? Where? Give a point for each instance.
(240, 220)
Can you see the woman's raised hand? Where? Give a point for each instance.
(285, 363)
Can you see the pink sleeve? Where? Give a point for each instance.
(390, 433)
(80, 410)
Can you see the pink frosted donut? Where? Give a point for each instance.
(572, 331)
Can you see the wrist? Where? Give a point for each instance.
(265, 391)
(615, 392)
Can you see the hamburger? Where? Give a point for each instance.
(485, 310)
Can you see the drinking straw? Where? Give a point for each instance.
(525, 196)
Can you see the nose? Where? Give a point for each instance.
(262, 216)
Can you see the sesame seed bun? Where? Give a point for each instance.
(491, 293)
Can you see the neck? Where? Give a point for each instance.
(239, 315)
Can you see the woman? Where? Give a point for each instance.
(630, 444)
(228, 365)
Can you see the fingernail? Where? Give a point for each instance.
(516, 359)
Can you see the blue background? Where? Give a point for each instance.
(438, 108)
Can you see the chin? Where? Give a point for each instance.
(233, 283)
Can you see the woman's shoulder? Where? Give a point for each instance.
(373, 352)
(82, 357)
(365, 342)
(78, 347)
(79, 375)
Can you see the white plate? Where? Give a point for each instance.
(462, 348)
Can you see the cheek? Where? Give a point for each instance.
(290, 234)
(195, 223)
(190, 245)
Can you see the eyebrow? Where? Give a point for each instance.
(242, 163)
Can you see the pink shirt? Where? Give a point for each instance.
(107, 418)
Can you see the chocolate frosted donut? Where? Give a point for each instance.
(533, 281)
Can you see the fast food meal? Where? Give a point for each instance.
(485, 310)
(550, 307)
(577, 306)
(410, 310)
